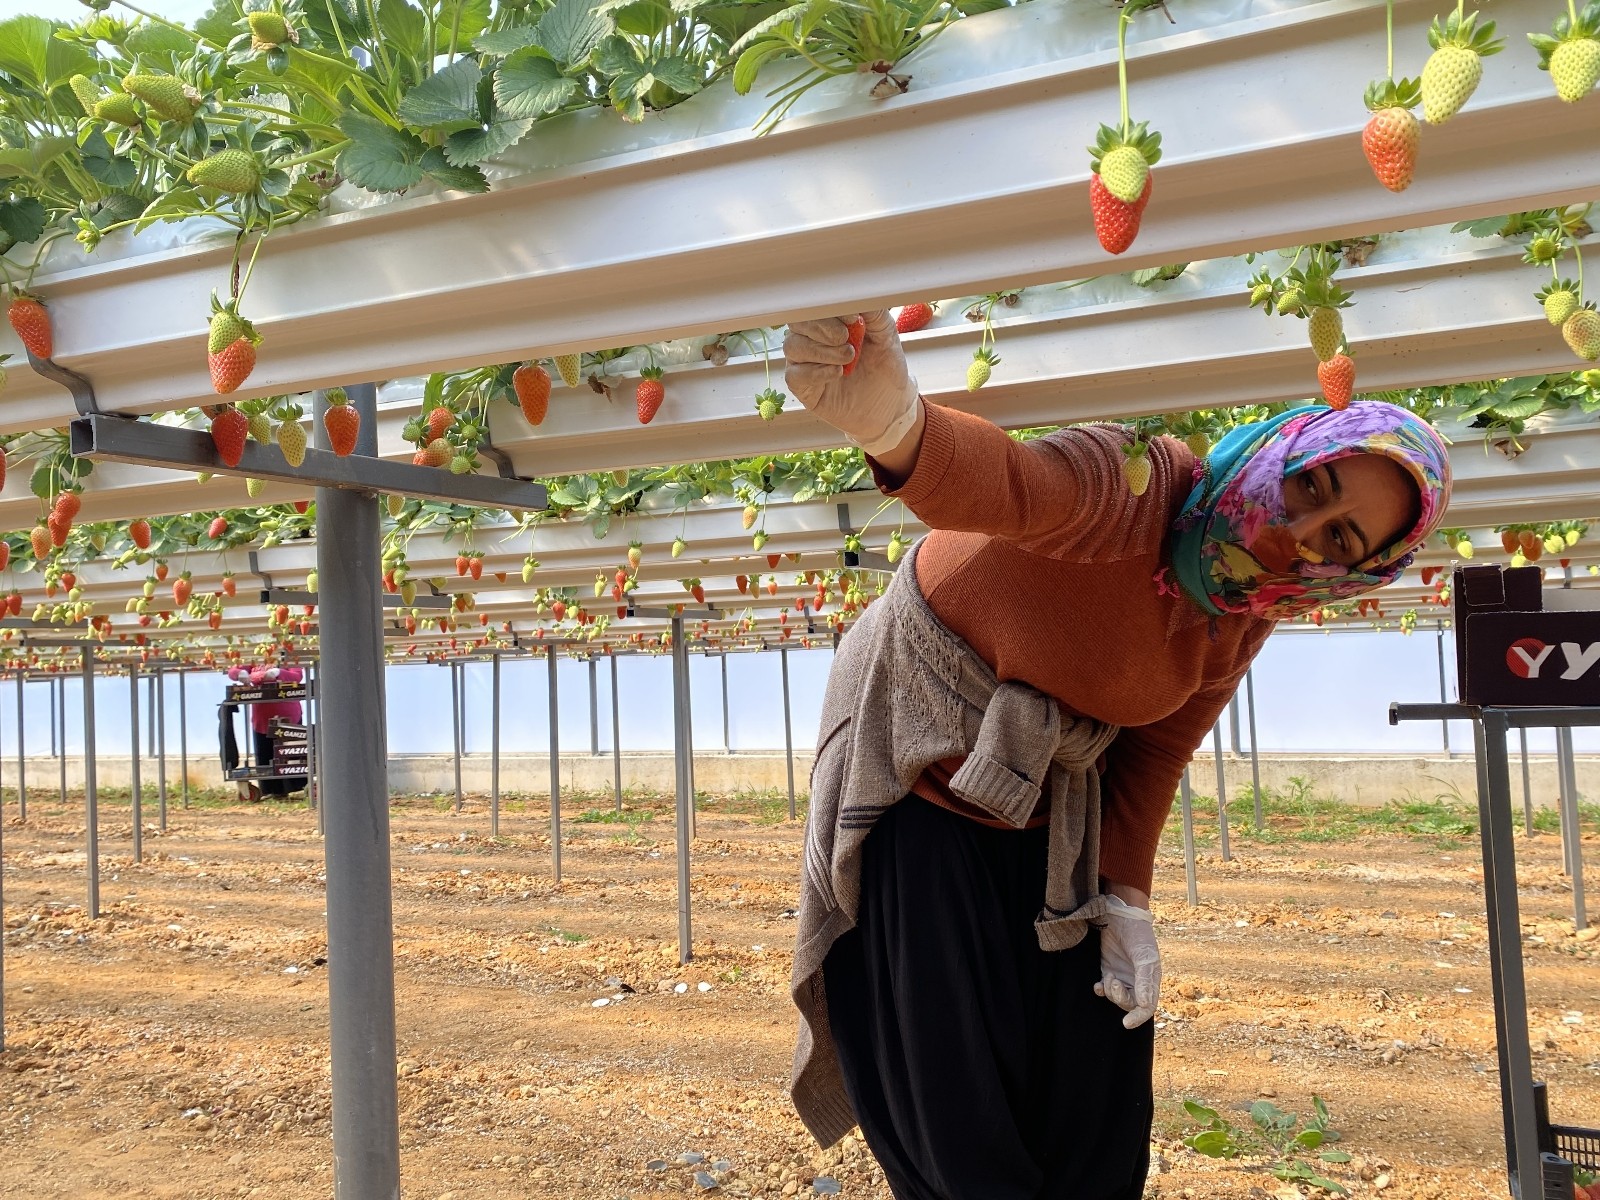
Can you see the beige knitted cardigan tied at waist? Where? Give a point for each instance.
(905, 692)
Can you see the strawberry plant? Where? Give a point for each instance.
(1274, 1133)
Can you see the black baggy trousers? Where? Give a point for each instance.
(980, 1066)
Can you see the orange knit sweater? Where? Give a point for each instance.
(1041, 560)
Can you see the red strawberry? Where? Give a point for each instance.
(742, 582)
(462, 564)
(229, 431)
(475, 566)
(232, 365)
(1338, 379)
(300, 506)
(58, 527)
(559, 608)
(14, 604)
(1116, 223)
(342, 422)
(698, 591)
(914, 317)
(649, 394)
(5, 555)
(531, 382)
(439, 421)
(139, 531)
(161, 571)
(32, 323)
(2, 448)
(40, 537)
(857, 333)
(68, 505)
(1391, 136)
(230, 585)
(219, 526)
(181, 589)
(774, 559)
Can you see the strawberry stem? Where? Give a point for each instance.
(1122, 65)
(1578, 253)
(1389, 22)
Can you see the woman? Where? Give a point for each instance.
(976, 965)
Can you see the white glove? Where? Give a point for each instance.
(874, 406)
(1130, 963)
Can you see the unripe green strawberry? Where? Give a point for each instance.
(1259, 294)
(769, 403)
(253, 487)
(983, 361)
(529, 566)
(396, 504)
(1455, 68)
(227, 327)
(292, 441)
(165, 95)
(569, 367)
(1136, 468)
(1123, 171)
(678, 546)
(1199, 445)
(260, 427)
(1582, 333)
(84, 89)
(1559, 305)
(1327, 332)
(120, 108)
(233, 171)
(1289, 301)
(1575, 68)
(267, 29)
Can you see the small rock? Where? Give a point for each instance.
(600, 1003)
(826, 1185)
(790, 1188)
(703, 986)
(1264, 1054)
(691, 1158)
(705, 1180)
(721, 1166)
(656, 1164)
(680, 988)
(407, 1066)
(1382, 1181)
(280, 1126)
(202, 1124)
(664, 985)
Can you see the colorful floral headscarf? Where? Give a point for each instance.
(1232, 550)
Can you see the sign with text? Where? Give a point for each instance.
(1511, 650)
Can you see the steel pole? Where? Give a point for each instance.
(22, 760)
(183, 733)
(366, 1126)
(1222, 793)
(727, 743)
(1233, 724)
(455, 724)
(150, 707)
(313, 794)
(1444, 726)
(683, 782)
(1569, 818)
(616, 736)
(788, 731)
(135, 787)
(61, 717)
(594, 708)
(1255, 759)
(494, 747)
(1186, 801)
(1527, 788)
(91, 793)
(555, 765)
(160, 714)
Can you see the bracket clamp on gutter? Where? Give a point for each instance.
(869, 559)
(82, 390)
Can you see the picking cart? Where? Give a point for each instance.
(292, 744)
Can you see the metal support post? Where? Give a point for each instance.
(1444, 726)
(616, 736)
(61, 718)
(1222, 794)
(150, 707)
(727, 744)
(91, 793)
(688, 733)
(1255, 758)
(1186, 803)
(594, 708)
(313, 779)
(22, 760)
(1527, 789)
(684, 784)
(494, 747)
(360, 906)
(183, 733)
(788, 732)
(555, 765)
(456, 670)
(160, 727)
(135, 787)
(1233, 724)
(1569, 820)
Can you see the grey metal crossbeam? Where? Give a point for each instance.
(105, 438)
(421, 600)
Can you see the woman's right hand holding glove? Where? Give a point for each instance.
(877, 405)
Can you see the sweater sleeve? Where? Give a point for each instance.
(1063, 495)
(1143, 767)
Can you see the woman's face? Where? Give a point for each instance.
(1350, 508)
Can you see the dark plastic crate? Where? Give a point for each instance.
(1580, 1147)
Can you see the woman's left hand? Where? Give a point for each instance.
(1130, 962)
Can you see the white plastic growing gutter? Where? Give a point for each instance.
(972, 181)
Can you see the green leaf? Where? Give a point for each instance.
(749, 63)
(1213, 1143)
(158, 42)
(729, 21)
(218, 24)
(457, 179)
(506, 41)
(1334, 1156)
(447, 100)
(1519, 408)
(45, 481)
(530, 85)
(468, 147)
(678, 73)
(768, 26)
(404, 28)
(34, 159)
(1200, 1112)
(642, 18)
(116, 208)
(23, 219)
(474, 19)
(174, 205)
(30, 52)
(1310, 1139)
(104, 166)
(378, 158)
(571, 29)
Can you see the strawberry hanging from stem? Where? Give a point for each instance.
(1572, 55)
(1391, 136)
(1121, 158)
(1455, 68)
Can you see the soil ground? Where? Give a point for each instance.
(177, 1047)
